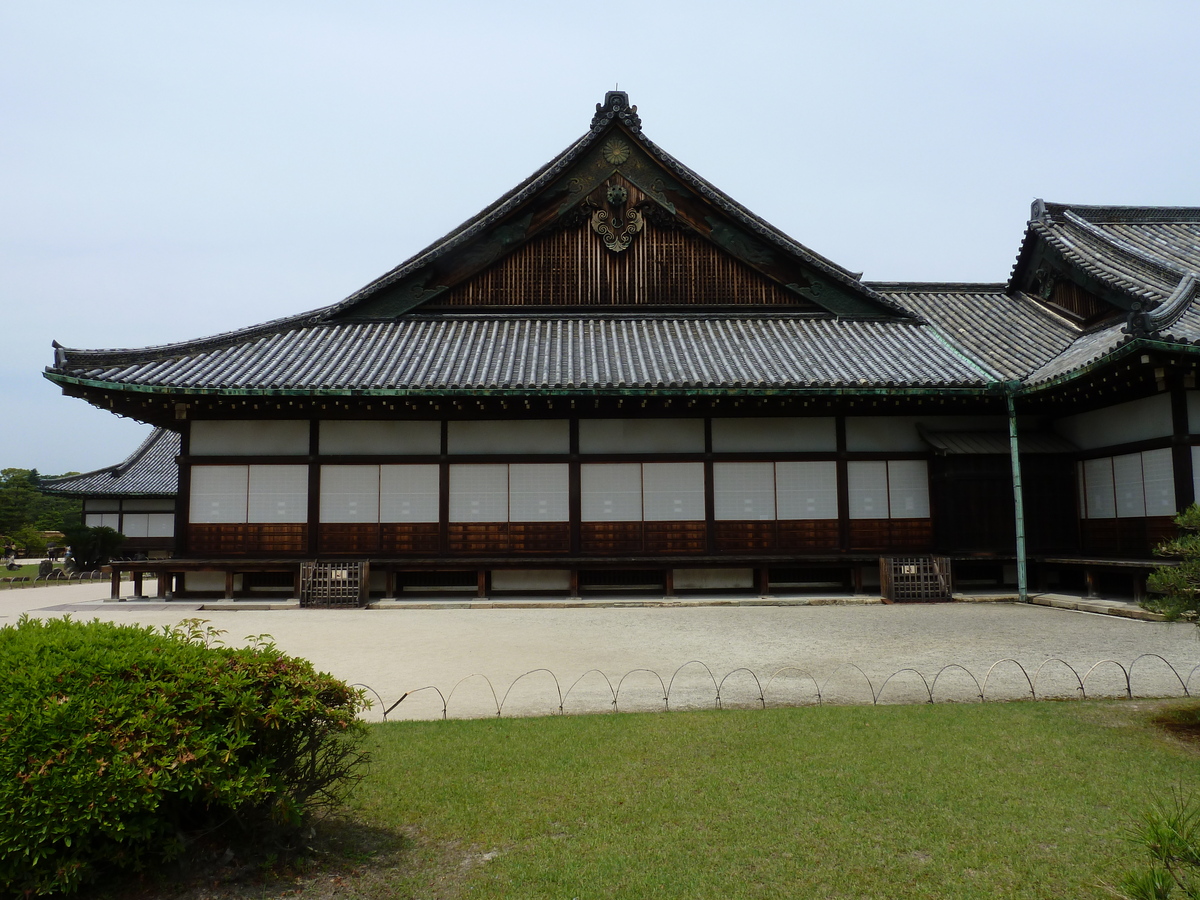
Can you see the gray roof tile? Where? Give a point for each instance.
(149, 471)
(494, 352)
(1011, 334)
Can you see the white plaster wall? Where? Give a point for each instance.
(902, 433)
(531, 580)
(249, 438)
(381, 438)
(641, 436)
(701, 579)
(794, 435)
(1193, 411)
(877, 433)
(208, 581)
(515, 436)
(146, 504)
(1124, 423)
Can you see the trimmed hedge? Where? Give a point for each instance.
(120, 745)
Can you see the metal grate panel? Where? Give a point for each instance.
(329, 585)
(915, 579)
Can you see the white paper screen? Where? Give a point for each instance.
(107, 520)
(806, 490)
(538, 493)
(278, 494)
(218, 495)
(1196, 473)
(673, 492)
(136, 525)
(1098, 488)
(744, 490)
(479, 493)
(350, 494)
(1158, 476)
(612, 492)
(409, 493)
(1127, 485)
(908, 488)
(160, 525)
(867, 483)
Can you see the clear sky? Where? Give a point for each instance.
(171, 170)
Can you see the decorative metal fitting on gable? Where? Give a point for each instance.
(616, 106)
(617, 226)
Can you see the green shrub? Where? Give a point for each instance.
(92, 546)
(120, 746)
(1170, 834)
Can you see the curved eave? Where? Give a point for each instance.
(875, 390)
(1132, 346)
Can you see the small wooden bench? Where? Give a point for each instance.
(1137, 569)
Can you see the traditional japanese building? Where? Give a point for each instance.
(135, 497)
(617, 375)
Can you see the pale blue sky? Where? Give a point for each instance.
(171, 170)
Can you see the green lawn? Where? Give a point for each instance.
(960, 801)
(29, 571)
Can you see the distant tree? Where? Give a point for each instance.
(30, 540)
(1175, 589)
(22, 504)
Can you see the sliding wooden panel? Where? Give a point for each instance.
(808, 534)
(478, 537)
(611, 537)
(911, 534)
(346, 537)
(675, 537)
(891, 535)
(746, 536)
(247, 540)
(539, 537)
(409, 537)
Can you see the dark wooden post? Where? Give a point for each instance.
(843, 495)
(1181, 451)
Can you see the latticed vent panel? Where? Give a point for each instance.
(333, 584)
(915, 579)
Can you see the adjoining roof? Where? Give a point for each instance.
(1010, 334)
(586, 353)
(150, 471)
(1144, 254)
(994, 442)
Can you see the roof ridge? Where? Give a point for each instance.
(1113, 278)
(116, 470)
(1126, 214)
(940, 287)
(1102, 235)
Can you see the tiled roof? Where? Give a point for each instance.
(1143, 252)
(586, 353)
(149, 471)
(995, 442)
(1010, 334)
(1084, 350)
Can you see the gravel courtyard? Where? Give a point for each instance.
(586, 660)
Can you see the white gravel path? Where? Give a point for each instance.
(784, 654)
